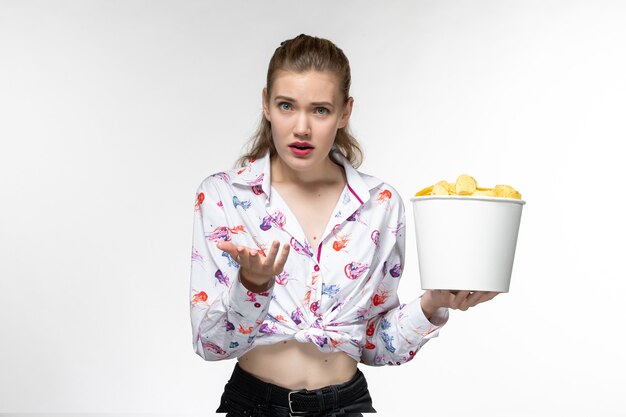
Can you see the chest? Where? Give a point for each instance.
(312, 208)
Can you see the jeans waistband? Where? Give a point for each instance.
(298, 401)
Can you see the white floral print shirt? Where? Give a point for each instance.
(340, 295)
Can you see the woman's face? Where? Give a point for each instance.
(307, 108)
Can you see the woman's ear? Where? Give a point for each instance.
(345, 115)
(264, 98)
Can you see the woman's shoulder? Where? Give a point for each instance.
(378, 186)
(248, 174)
(218, 180)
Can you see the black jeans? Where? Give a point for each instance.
(247, 396)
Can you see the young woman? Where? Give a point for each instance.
(297, 256)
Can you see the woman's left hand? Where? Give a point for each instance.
(456, 300)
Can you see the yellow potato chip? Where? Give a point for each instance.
(486, 192)
(441, 188)
(465, 185)
(425, 191)
(506, 191)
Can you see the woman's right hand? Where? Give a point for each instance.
(257, 271)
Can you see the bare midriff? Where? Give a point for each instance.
(294, 365)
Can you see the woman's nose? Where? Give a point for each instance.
(302, 127)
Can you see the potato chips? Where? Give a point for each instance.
(465, 185)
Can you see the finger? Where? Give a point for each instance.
(271, 256)
(473, 299)
(459, 298)
(255, 260)
(449, 295)
(242, 257)
(282, 259)
(483, 296)
(488, 295)
(234, 251)
(227, 247)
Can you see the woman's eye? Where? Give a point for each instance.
(287, 106)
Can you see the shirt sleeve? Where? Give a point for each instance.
(225, 315)
(395, 332)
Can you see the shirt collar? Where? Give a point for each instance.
(257, 172)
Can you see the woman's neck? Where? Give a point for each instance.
(328, 174)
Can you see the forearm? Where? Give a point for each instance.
(228, 327)
(396, 336)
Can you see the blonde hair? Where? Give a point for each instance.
(300, 54)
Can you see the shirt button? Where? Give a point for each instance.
(316, 268)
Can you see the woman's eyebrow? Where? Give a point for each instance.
(316, 103)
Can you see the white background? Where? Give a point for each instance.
(112, 112)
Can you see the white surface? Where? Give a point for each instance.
(113, 111)
(466, 243)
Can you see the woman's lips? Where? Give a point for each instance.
(300, 152)
(301, 145)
